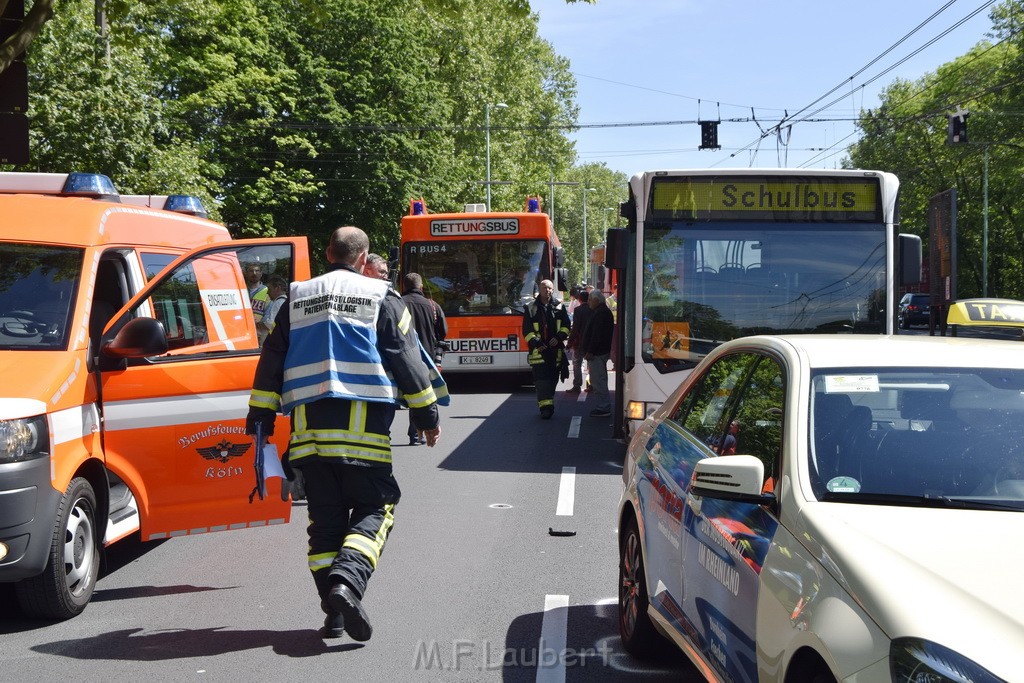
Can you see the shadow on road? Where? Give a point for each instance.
(133, 646)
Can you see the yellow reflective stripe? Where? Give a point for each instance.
(264, 399)
(357, 416)
(363, 546)
(321, 561)
(421, 399)
(305, 450)
(322, 435)
(372, 547)
(545, 402)
(405, 322)
(299, 418)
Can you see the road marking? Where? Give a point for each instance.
(582, 397)
(553, 628)
(574, 427)
(566, 492)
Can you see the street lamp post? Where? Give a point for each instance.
(605, 212)
(487, 145)
(586, 253)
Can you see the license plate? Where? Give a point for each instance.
(476, 360)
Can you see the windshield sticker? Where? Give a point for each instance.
(851, 384)
(843, 485)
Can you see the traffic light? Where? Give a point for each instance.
(709, 135)
(956, 132)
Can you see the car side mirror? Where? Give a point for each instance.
(731, 477)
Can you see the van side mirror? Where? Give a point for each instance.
(559, 257)
(138, 338)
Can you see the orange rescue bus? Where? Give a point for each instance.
(482, 268)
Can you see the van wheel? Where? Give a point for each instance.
(66, 585)
(635, 627)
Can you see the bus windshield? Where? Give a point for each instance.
(705, 283)
(478, 277)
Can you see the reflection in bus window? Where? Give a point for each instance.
(483, 277)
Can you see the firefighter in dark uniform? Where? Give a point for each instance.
(545, 328)
(341, 355)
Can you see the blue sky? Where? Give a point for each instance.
(645, 61)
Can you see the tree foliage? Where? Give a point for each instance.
(294, 117)
(907, 135)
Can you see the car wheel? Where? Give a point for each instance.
(635, 627)
(66, 585)
(904, 322)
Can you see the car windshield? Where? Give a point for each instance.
(932, 436)
(38, 284)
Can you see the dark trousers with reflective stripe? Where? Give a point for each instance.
(351, 513)
(545, 379)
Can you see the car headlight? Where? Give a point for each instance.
(24, 439)
(920, 661)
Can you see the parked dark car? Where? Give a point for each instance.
(914, 310)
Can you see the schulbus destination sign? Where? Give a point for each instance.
(764, 198)
(450, 227)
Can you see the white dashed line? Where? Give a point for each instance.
(574, 427)
(566, 492)
(553, 629)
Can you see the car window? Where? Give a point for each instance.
(738, 408)
(756, 423)
(933, 433)
(705, 409)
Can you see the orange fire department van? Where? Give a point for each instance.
(127, 347)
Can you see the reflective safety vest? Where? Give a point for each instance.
(332, 350)
(259, 298)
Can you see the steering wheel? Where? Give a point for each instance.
(21, 324)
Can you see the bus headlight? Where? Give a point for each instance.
(913, 659)
(24, 439)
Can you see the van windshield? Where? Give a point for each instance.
(38, 284)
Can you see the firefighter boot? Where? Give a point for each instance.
(334, 623)
(344, 600)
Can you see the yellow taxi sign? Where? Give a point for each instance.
(987, 312)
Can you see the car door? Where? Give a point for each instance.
(174, 423)
(724, 542)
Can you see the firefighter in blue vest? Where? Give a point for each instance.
(545, 328)
(341, 356)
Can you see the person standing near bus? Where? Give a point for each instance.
(596, 346)
(545, 328)
(337, 363)
(431, 327)
(579, 323)
(277, 295)
(376, 267)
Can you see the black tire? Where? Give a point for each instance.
(66, 585)
(635, 627)
(905, 323)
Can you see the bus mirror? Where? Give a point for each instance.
(601, 276)
(559, 257)
(615, 255)
(910, 259)
(562, 275)
(393, 255)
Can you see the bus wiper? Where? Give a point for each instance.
(926, 501)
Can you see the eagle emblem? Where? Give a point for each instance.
(224, 451)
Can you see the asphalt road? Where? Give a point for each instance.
(502, 566)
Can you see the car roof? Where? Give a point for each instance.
(870, 351)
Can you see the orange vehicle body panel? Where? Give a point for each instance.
(169, 427)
